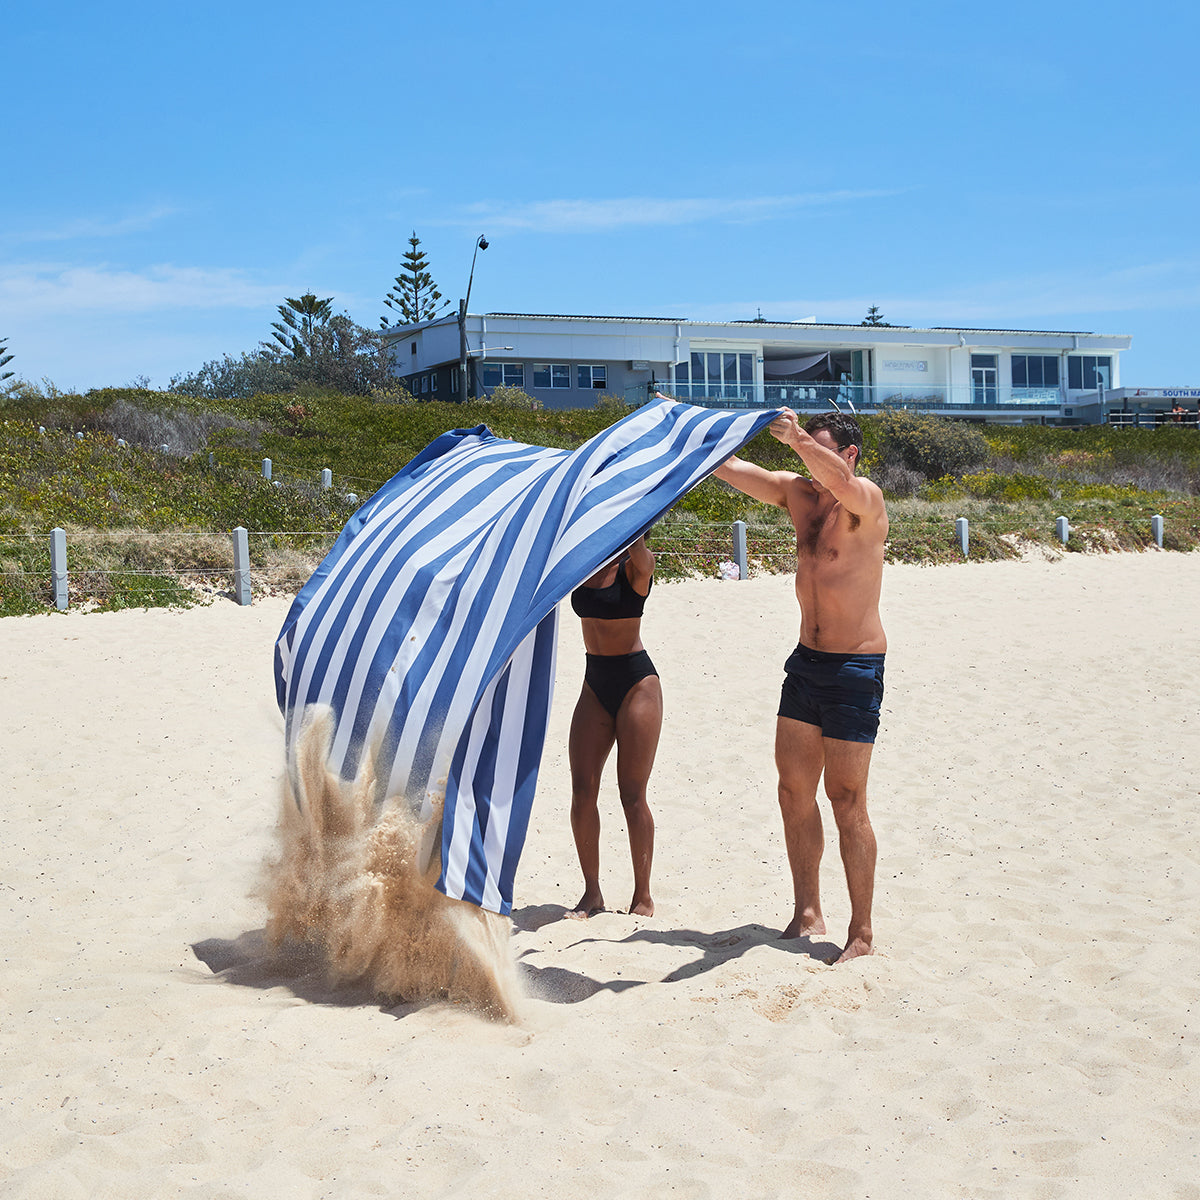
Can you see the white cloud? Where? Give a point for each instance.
(1026, 302)
(95, 227)
(57, 290)
(593, 216)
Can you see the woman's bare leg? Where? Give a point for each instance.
(592, 736)
(639, 722)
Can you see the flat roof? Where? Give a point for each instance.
(793, 324)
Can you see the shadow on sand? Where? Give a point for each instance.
(248, 961)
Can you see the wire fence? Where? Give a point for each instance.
(106, 570)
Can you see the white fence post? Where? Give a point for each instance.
(326, 479)
(962, 529)
(266, 468)
(739, 549)
(58, 567)
(1156, 528)
(241, 565)
(1063, 528)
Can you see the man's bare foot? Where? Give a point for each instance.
(855, 948)
(589, 905)
(642, 908)
(805, 924)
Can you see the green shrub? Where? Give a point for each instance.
(932, 445)
(503, 396)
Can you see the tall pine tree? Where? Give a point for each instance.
(4, 358)
(415, 296)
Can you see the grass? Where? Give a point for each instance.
(150, 527)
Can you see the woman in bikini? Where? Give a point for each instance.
(621, 702)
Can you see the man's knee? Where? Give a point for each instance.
(849, 806)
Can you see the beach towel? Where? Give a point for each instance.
(429, 630)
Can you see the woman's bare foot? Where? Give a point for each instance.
(641, 908)
(590, 903)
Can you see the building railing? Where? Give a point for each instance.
(857, 396)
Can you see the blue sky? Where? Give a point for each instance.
(173, 172)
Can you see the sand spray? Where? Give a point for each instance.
(351, 881)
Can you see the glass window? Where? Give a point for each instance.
(433, 382)
(697, 367)
(551, 375)
(1085, 372)
(682, 373)
(493, 376)
(597, 376)
(983, 360)
(714, 368)
(745, 369)
(514, 374)
(1035, 370)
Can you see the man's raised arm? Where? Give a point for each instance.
(767, 486)
(829, 468)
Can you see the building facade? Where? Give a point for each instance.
(1007, 375)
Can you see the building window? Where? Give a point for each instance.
(454, 380)
(593, 377)
(1035, 371)
(508, 374)
(717, 374)
(433, 382)
(424, 384)
(1087, 371)
(984, 379)
(551, 375)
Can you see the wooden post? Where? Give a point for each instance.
(739, 549)
(58, 567)
(241, 565)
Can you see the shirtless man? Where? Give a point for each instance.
(829, 710)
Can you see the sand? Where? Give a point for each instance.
(1028, 1027)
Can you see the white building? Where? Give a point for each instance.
(1008, 375)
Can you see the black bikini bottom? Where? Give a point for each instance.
(611, 676)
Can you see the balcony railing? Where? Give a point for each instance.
(857, 396)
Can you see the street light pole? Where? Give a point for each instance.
(481, 243)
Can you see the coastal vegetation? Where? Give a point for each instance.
(148, 485)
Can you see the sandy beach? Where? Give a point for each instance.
(1027, 1027)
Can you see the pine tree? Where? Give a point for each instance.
(875, 317)
(296, 332)
(4, 358)
(415, 296)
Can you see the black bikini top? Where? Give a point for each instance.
(612, 603)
